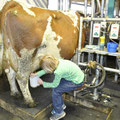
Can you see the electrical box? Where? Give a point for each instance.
(114, 31)
(96, 30)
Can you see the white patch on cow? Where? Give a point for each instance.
(54, 15)
(11, 78)
(2, 3)
(50, 42)
(26, 7)
(74, 31)
(11, 57)
(1, 53)
(6, 70)
(73, 16)
(15, 11)
(23, 3)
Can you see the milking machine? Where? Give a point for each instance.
(97, 81)
(93, 80)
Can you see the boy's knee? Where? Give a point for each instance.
(56, 91)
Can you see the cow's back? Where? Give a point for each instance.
(28, 29)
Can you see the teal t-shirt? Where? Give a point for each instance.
(66, 69)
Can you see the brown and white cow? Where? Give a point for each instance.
(28, 33)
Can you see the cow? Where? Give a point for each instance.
(27, 33)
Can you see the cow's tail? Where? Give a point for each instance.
(1, 50)
(0, 20)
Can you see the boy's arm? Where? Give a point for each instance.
(41, 73)
(54, 84)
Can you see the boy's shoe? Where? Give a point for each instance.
(63, 106)
(57, 116)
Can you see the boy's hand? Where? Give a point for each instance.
(40, 81)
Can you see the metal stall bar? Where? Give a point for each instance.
(85, 8)
(79, 48)
(102, 8)
(95, 93)
(91, 29)
(80, 40)
(106, 8)
(61, 4)
(102, 19)
(66, 4)
(106, 68)
(98, 2)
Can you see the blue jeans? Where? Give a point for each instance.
(64, 86)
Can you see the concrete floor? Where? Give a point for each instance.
(74, 112)
(78, 112)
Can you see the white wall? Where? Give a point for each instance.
(53, 4)
(80, 7)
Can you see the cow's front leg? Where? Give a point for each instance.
(23, 84)
(11, 75)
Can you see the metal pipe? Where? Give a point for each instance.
(66, 4)
(116, 75)
(106, 68)
(91, 33)
(95, 93)
(85, 8)
(80, 33)
(82, 56)
(61, 4)
(98, 2)
(92, 8)
(102, 8)
(101, 19)
(58, 4)
(106, 8)
(117, 7)
(78, 58)
(91, 26)
(101, 60)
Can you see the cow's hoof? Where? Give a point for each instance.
(31, 105)
(16, 95)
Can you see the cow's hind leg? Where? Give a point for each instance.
(22, 76)
(11, 75)
(23, 84)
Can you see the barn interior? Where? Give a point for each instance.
(100, 98)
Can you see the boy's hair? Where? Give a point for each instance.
(49, 63)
